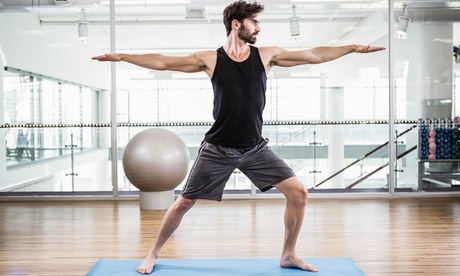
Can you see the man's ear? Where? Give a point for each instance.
(236, 24)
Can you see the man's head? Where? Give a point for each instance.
(239, 11)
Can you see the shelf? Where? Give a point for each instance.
(438, 160)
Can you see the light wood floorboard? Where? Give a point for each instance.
(401, 236)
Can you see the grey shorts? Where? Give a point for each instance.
(215, 164)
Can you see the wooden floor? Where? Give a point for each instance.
(383, 236)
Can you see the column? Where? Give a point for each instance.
(2, 130)
(335, 141)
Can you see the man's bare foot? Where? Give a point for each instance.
(147, 266)
(295, 262)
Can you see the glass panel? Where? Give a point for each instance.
(327, 94)
(427, 95)
(318, 117)
(311, 152)
(69, 167)
(53, 124)
(46, 159)
(306, 149)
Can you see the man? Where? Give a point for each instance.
(238, 73)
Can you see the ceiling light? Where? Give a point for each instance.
(82, 27)
(403, 22)
(60, 2)
(294, 23)
(195, 11)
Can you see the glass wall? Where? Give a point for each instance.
(293, 126)
(54, 121)
(51, 121)
(33, 100)
(426, 76)
(337, 124)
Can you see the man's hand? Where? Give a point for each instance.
(107, 57)
(367, 49)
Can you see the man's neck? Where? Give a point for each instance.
(236, 48)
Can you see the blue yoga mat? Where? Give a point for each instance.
(230, 267)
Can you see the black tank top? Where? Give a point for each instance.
(239, 100)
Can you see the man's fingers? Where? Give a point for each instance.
(369, 49)
(107, 57)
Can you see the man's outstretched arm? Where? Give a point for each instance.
(191, 63)
(285, 58)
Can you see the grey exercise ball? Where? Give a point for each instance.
(156, 160)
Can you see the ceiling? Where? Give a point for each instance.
(184, 26)
(333, 20)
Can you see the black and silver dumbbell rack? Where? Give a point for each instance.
(438, 152)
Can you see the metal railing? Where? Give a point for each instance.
(368, 154)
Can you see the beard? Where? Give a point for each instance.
(246, 36)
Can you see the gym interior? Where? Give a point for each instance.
(380, 126)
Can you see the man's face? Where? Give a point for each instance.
(249, 30)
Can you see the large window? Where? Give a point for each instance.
(32, 99)
(337, 124)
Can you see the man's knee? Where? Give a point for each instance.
(184, 204)
(295, 192)
(301, 195)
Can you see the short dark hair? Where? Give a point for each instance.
(240, 10)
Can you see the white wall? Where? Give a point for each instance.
(27, 45)
(47, 50)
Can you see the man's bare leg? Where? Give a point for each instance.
(296, 194)
(171, 221)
